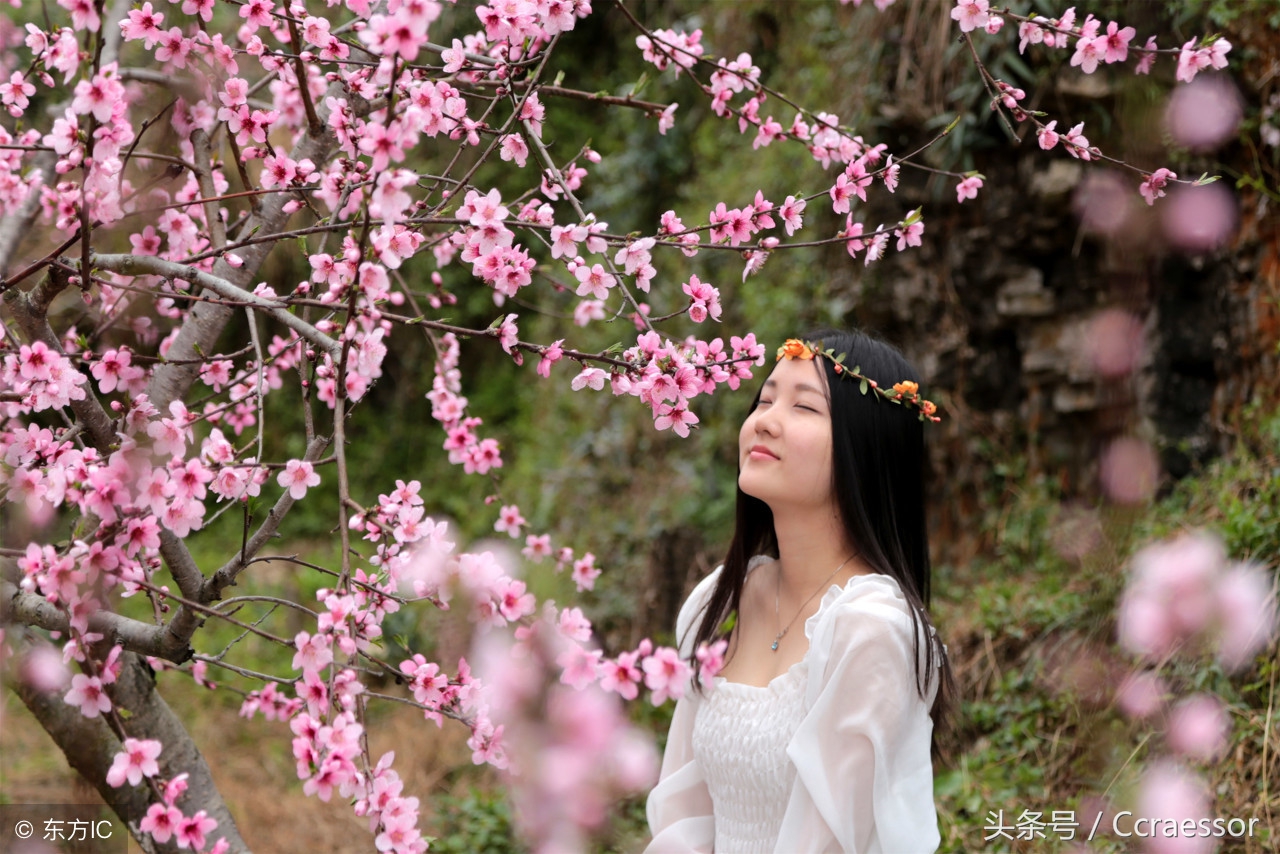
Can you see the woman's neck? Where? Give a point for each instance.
(810, 547)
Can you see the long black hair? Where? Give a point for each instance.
(878, 467)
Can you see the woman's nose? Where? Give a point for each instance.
(765, 421)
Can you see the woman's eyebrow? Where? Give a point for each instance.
(772, 383)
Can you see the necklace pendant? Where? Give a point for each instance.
(774, 647)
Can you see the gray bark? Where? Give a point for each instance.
(17, 225)
(205, 322)
(90, 746)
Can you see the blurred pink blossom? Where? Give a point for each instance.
(1129, 470)
(1169, 795)
(42, 668)
(1144, 626)
(572, 751)
(1205, 113)
(1171, 593)
(1188, 569)
(1104, 202)
(1246, 602)
(1141, 694)
(1199, 219)
(1115, 338)
(1198, 727)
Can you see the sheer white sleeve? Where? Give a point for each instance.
(679, 807)
(864, 781)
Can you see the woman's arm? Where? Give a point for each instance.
(679, 807)
(864, 781)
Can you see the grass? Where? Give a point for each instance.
(1030, 633)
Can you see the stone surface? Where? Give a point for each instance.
(1059, 179)
(1024, 295)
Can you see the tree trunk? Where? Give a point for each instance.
(90, 745)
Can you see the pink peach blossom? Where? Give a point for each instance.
(1198, 727)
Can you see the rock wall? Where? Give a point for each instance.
(1053, 315)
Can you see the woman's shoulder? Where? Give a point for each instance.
(697, 600)
(692, 608)
(874, 600)
(866, 620)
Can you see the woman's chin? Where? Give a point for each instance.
(752, 486)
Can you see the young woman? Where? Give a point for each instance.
(816, 735)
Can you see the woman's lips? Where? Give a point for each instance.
(760, 452)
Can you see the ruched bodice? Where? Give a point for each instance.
(740, 739)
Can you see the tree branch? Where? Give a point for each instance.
(16, 226)
(227, 573)
(204, 172)
(149, 265)
(203, 326)
(32, 609)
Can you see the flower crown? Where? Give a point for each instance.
(905, 393)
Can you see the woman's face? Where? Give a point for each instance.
(784, 446)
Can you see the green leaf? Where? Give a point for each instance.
(640, 84)
(1206, 178)
(862, 386)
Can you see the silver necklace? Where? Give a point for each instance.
(777, 601)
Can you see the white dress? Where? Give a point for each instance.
(831, 756)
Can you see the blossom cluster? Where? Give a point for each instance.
(572, 726)
(327, 743)
(1185, 591)
(165, 821)
(1094, 46)
(136, 761)
(449, 408)
(666, 375)
(1184, 597)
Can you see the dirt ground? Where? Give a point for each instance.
(253, 764)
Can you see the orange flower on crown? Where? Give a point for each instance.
(928, 407)
(906, 388)
(794, 348)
